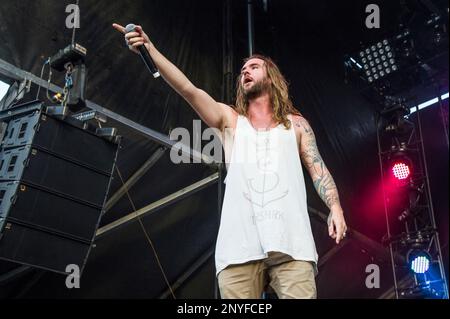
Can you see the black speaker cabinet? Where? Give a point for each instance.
(54, 180)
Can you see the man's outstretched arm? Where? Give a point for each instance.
(213, 113)
(322, 179)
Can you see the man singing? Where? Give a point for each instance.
(265, 236)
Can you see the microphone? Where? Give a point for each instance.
(148, 61)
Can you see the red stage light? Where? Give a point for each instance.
(401, 170)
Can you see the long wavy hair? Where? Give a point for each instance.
(279, 95)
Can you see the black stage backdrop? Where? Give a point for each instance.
(308, 40)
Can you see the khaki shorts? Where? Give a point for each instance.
(290, 279)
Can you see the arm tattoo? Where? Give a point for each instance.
(321, 177)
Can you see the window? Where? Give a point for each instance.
(23, 129)
(12, 163)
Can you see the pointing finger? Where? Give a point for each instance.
(119, 28)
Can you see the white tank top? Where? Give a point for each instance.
(264, 207)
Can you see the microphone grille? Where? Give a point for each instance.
(130, 27)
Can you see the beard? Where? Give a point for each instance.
(257, 89)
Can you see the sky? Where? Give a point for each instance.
(3, 89)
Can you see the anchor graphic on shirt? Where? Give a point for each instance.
(268, 178)
(265, 196)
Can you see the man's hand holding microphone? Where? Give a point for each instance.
(138, 42)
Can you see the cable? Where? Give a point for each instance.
(42, 74)
(48, 82)
(74, 29)
(146, 235)
(68, 83)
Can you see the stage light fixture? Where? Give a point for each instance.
(419, 261)
(400, 167)
(377, 60)
(401, 170)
